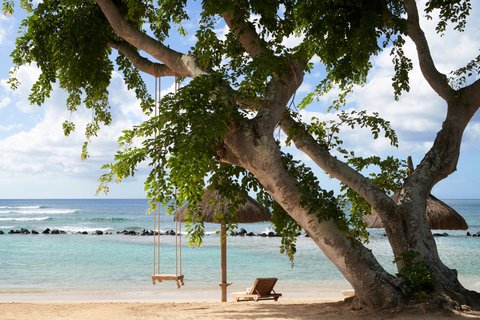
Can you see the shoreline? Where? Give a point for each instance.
(156, 295)
(318, 309)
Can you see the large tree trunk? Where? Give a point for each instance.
(414, 231)
(374, 287)
(410, 230)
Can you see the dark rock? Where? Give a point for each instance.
(477, 234)
(242, 232)
(468, 234)
(147, 233)
(251, 234)
(46, 231)
(263, 234)
(170, 233)
(98, 232)
(34, 232)
(84, 232)
(440, 234)
(24, 231)
(1, 232)
(132, 233)
(271, 234)
(298, 234)
(55, 231)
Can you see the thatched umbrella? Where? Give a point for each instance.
(211, 207)
(439, 216)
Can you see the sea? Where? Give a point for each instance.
(118, 267)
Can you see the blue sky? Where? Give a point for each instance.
(37, 161)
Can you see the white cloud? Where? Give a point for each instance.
(10, 127)
(44, 151)
(4, 102)
(419, 114)
(305, 87)
(27, 76)
(6, 25)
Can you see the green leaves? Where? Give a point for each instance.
(68, 127)
(386, 174)
(415, 274)
(326, 133)
(180, 142)
(8, 7)
(450, 11)
(318, 201)
(402, 65)
(459, 77)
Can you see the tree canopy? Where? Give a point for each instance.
(219, 128)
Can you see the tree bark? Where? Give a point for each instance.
(438, 163)
(251, 145)
(375, 288)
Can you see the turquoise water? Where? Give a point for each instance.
(118, 267)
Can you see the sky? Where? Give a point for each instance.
(38, 161)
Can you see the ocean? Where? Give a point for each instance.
(118, 267)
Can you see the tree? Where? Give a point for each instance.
(220, 127)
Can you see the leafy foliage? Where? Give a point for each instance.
(402, 65)
(416, 275)
(460, 76)
(68, 40)
(450, 11)
(181, 142)
(388, 176)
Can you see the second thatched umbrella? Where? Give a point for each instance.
(211, 209)
(439, 215)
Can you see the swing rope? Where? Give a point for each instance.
(157, 276)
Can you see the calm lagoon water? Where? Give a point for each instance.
(114, 266)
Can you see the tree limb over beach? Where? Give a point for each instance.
(219, 129)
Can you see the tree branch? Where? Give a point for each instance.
(141, 63)
(378, 199)
(179, 63)
(438, 81)
(281, 87)
(246, 35)
(472, 96)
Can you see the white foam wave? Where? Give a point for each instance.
(268, 230)
(25, 219)
(20, 207)
(75, 229)
(6, 227)
(40, 211)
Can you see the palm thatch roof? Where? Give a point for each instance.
(212, 207)
(439, 215)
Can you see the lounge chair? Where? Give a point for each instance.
(262, 289)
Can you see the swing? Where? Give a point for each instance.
(157, 276)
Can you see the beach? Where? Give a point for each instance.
(85, 274)
(292, 309)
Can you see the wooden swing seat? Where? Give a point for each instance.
(162, 277)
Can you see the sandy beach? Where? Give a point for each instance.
(284, 309)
